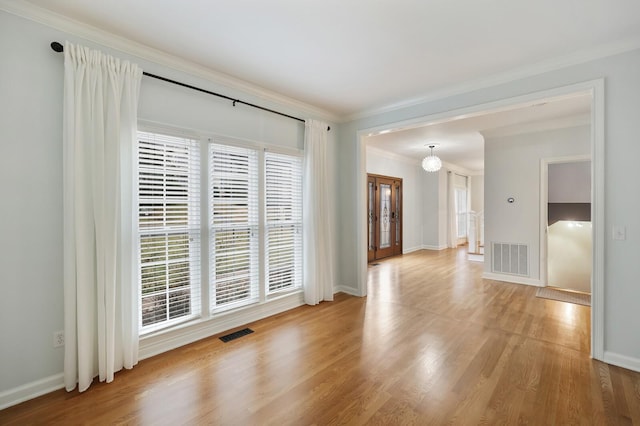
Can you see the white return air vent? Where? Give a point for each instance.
(509, 258)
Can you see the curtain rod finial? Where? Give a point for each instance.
(57, 47)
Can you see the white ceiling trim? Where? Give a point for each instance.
(559, 123)
(88, 32)
(520, 101)
(450, 167)
(576, 58)
(393, 156)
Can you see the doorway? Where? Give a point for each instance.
(384, 216)
(568, 236)
(595, 90)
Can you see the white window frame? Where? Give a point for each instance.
(206, 311)
(241, 191)
(163, 192)
(284, 225)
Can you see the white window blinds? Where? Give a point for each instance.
(169, 228)
(254, 219)
(234, 226)
(283, 200)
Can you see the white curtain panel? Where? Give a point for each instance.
(100, 181)
(452, 217)
(318, 263)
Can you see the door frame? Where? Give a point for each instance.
(594, 88)
(544, 209)
(396, 215)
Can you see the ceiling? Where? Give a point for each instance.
(350, 57)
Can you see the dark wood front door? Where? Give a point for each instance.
(384, 221)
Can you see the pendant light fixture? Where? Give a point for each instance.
(431, 163)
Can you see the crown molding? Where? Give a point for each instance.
(62, 23)
(392, 156)
(450, 167)
(576, 58)
(54, 20)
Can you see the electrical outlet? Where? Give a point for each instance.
(58, 339)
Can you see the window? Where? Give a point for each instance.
(283, 194)
(234, 243)
(169, 228)
(251, 207)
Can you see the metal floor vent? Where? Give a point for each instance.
(236, 334)
(510, 258)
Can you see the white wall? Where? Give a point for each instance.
(443, 209)
(476, 183)
(425, 209)
(512, 169)
(622, 109)
(431, 202)
(31, 306)
(425, 201)
(477, 193)
(384, 163)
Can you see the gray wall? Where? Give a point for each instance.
(622, 109)
(512, 169)
(31, 84)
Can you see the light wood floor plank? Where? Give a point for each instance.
(432, 343)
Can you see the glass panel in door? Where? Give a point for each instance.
(385, 216)
(370, 215)
(397, 216)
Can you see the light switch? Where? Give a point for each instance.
(619, 232)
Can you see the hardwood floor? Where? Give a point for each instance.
(433, 343)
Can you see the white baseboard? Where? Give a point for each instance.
(190, 332)
(411, 249)
(622, 361)
(512, 279)
(348, 290)
(31, 390)
(429, 247)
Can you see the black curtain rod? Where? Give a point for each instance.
(60, 48)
